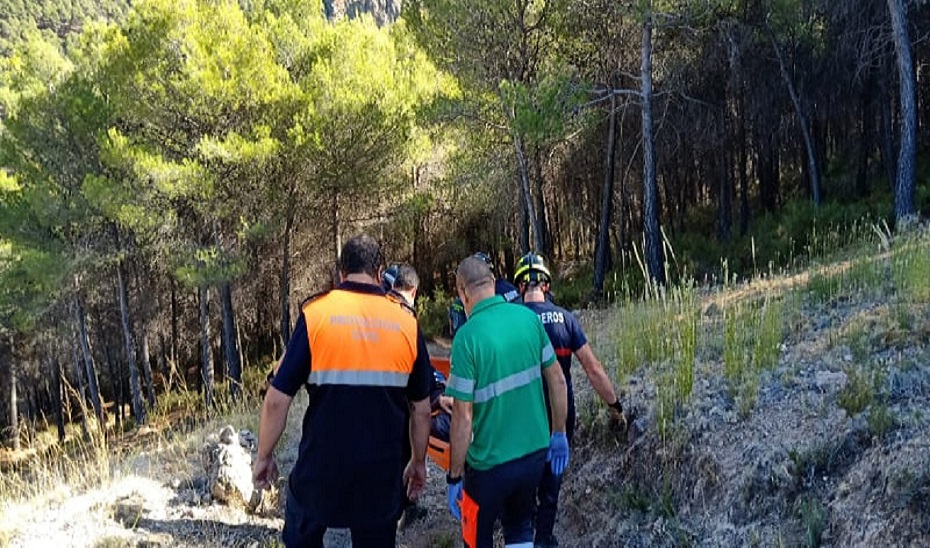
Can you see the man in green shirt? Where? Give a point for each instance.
(500, 437)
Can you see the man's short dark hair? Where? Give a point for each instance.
(407, 278)
(360, 255)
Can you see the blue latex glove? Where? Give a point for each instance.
(454, 497)
(558, 453)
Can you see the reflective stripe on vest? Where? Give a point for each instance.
(359, 339)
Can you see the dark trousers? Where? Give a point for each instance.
(507, 492)
(547, 495)
(382, 537)
(301, 531)
(548, 498)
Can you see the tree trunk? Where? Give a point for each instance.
(576, 240)
(81, 391)
(526, 193)
(135, 386)
(887, 121)
(653, 244)
(524, 226)
(147, 367)
(744, 211)
(337, 237)
(738, 93)
(175, 341)
(57, 396)
(116, 383)
(602, 251)
(240, 348)
(90, 369)
(625, 215)
(541, 211)
(206, 365)
(165, 366)
(767, 168)
(230, 348)
(724, 174)
(14, 403)
(907, 151)
(684, 176)
(865, 140)
(285, 281)
(812, 167)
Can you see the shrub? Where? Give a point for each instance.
(433, 314)
(881, 420)
(859, 391)
(813, 517)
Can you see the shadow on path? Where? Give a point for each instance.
(205, 532)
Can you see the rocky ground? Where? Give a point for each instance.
(795, 469)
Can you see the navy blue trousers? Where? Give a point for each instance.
(506, 491)
(547, 495)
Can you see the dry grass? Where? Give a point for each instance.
(46, 472)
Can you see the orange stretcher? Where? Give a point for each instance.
(437, 449)
(442, 365)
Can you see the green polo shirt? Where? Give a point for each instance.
(497, 362)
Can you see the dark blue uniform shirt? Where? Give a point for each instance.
(567, 337)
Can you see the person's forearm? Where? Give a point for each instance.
(596, 375)
(601, 384)
(273, 421)
(558, 396)
(419, 429)
(459, 437)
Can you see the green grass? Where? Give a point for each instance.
(813, 516)
(910, 267)
(881, 420)
(848, 259)
(825, 287)
(662, 332)
(752, 335)
(862, 385)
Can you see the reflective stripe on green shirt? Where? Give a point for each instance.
(497, 362)
(501, 387)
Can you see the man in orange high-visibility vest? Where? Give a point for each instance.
(364, 361)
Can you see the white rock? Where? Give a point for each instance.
(228, 436)
(229, 469)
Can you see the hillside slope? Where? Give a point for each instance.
(827, 444)
(59, 17)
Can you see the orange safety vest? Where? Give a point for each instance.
(359, 339)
